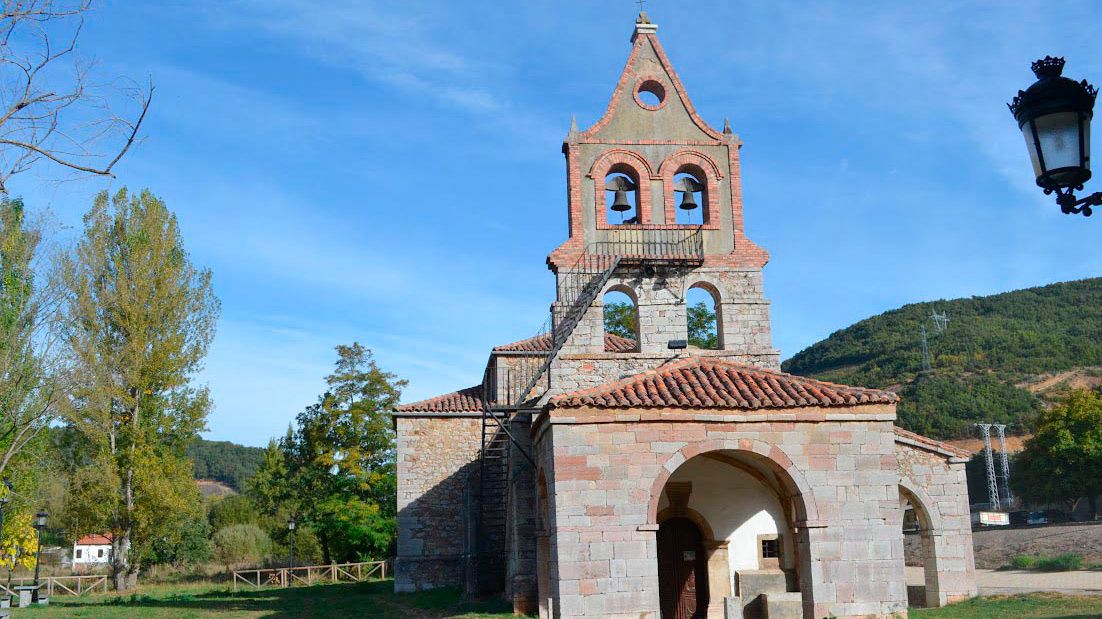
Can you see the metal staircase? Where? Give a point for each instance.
(509, 385)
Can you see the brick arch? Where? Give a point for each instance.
(627, 162)
(807, 510)
(713, 290)
(698, 164)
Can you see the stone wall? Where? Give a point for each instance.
(437, 468)
(521, 520)
(936, 486)
(607, 470)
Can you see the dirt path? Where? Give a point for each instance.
(997, 582)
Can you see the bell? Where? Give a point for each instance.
(688, 202)
(620, 201)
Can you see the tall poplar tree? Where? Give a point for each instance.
(28, 312)
(141, 318)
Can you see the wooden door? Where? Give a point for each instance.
(682, 570)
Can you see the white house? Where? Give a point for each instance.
(92, 550)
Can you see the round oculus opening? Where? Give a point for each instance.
(650, 94)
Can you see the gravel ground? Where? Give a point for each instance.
(995, 548)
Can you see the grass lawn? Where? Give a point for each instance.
(376, 599)
(1034, 606)
(373, 599)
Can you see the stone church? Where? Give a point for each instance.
(593, 475)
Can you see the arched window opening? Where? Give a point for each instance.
(621, 314)
(621, 198)
(702, 313)
(690, 189)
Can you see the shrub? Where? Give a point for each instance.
(1023, 562)
(1060, 563)
(241, 543)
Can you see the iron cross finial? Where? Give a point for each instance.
(640, 3)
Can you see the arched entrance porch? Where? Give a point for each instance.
(729, 527)
(912, 500)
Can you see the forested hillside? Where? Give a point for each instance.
(224, 461)
(988, 347)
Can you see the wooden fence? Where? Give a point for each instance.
(311, 574)
(61, 585)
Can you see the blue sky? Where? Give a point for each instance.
(390, 172)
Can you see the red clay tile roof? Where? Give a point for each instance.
(933, 444)
(703, 382)
(542, 343)
(462, 401)
(94, 539)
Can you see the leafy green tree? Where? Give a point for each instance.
(335, 469)
(702, 326)
(234, 509)
(1063, 459)
(620, 319)
(140, 318)
(189, 545)
(241, 544)
(29, 389)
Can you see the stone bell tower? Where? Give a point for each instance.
(634, 179)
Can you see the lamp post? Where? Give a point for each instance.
(291, 528)
(39, 526)
(1054, 115)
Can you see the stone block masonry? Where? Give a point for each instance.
(437, 469)
(844, 487)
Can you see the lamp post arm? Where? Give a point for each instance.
(1069, 204)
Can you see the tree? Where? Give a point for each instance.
(29, 365)
(702, 326)
(234, 509)
(241, 543)
(335, 469)
(49, 108)
(620, 319)
(140, 320)
(1063, 460)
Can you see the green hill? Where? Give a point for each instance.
(989, 347)
(223, 461)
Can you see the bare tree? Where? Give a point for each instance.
(50, 110)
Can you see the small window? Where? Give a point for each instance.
(100, 553)
(770, 549)
(80, 553)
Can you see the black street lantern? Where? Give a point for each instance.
(40, 526)
(291, 559)
(1054, 115)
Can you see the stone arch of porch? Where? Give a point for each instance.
(925, 507)
(773, 457)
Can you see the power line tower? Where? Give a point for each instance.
(925, 351)
(992, 483)
(1001, 430)
(940, 320)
